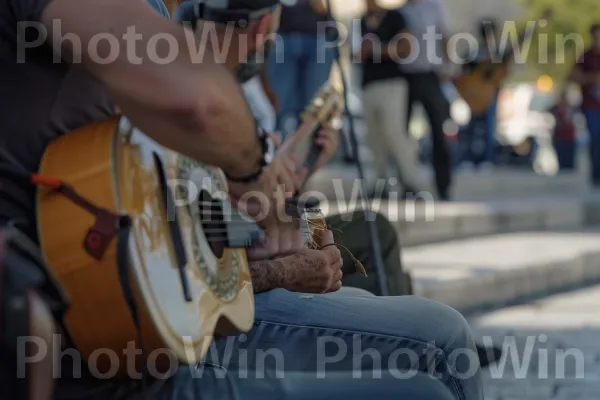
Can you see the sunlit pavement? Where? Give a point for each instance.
(552, 348)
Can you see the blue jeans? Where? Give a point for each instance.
(593, 124)
(297, 68)
(478, 142)
(217, 385)
(356, 333)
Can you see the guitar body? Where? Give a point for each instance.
(114, 166)
(479, 86)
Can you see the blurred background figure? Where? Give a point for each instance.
(385, 96)
(303, 59)
(424, 76)
(477, 141)
(564, 137)
(587, 74)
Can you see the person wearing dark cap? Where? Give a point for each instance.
(196, 109)
(301, 306)
(586, 73)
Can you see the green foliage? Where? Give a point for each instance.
(555, 47)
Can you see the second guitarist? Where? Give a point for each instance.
(477, 139)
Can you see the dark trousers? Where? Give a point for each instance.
(425, 88)
(351, 231)
(565, 153)
(593, 124)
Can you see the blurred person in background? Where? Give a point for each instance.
(302, 60)
(564, 140)
(425, 68)
(587, 74)
(385, 95)
(477, 142)
(349, 228)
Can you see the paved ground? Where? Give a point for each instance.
(553, 348)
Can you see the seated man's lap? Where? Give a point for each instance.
(211, 384)
(355, 310)
(350, 330)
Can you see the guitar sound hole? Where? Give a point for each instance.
(213, 223)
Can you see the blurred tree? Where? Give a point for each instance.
(556, 45)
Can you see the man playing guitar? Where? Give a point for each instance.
(470, 140)
(297, 302)
(183, 106)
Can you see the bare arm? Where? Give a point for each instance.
(307, 271)
(267, 275)
(193, 104)
(319, 6)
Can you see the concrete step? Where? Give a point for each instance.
(492, 271)
(340, 182)
(434, 222)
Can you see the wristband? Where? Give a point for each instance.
(268, 152)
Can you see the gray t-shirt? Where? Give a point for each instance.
(41, 99)
(421, 17)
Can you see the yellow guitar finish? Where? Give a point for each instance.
(477, 89)
(112, 164)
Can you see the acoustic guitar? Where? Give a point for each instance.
(146, 244)
(478, 86)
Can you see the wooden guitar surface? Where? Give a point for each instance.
(114, 166)
(479, 87)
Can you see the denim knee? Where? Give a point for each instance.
(458, 345)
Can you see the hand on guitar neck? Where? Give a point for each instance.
(291, 174)
(306, 150)
(267, 206)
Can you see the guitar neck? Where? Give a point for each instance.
(314, 153)
(307, 150)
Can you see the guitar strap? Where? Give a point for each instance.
(108, 225)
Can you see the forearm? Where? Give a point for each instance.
(191, 104)
(395, 51)
(267, 275)
(320, 6)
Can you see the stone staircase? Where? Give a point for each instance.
(513, 235)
